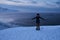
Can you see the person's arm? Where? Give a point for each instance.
(42, 18)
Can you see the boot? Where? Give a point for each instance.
(37, 28)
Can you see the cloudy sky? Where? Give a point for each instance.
(45, 5)
(28, 6)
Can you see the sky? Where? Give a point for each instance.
(41, 5)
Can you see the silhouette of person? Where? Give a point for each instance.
(38, 21)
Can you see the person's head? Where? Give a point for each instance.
(38, 14)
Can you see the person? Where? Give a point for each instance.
(38, 21)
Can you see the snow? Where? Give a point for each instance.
(29, 33)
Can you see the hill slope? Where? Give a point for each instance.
(29, 33)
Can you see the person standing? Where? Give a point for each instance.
(38, 21)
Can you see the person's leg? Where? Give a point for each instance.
(37, 26)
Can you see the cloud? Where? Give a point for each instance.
(38, 3)
(6, 2)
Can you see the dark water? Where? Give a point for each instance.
(25, 19)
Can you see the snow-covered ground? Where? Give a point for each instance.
(29, 33)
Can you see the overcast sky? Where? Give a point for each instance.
(41, 3)
(47, 4)
(31, 6)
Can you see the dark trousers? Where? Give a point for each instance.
(37, 25)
